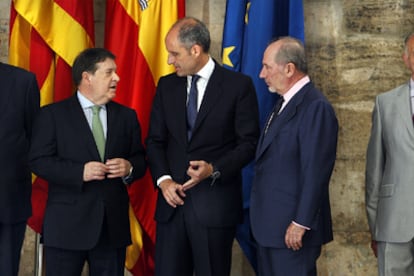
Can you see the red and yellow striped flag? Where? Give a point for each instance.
(135, 32)
(45, 38)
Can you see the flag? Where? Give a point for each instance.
(135, 32)
(249, 27)
(45, 37)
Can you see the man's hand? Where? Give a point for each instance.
(293, 237)
(118, 167)
(172, 192)
(94, 171)
(198, 171)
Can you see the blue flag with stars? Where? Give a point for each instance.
(249, 27)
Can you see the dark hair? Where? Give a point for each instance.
(292, 50)
(193, 31)
(86, 62)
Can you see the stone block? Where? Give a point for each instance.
(378, 17)
(347, 192)
(354, 120)
(348, 254)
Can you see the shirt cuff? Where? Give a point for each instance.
(162, 178)
(301, 226)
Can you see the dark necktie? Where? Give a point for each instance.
(274, 113)
(192, 105)
(97, 131)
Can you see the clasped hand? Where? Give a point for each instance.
(174, 193)
(112, 168)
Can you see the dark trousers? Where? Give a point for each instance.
(283, 261)
(185, 247)
(102, 262)
(11, 241)
(103, 259)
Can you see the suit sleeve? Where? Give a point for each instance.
(32, 103)
(157, 138)
(137, 153)
(247, 131)
(318, 141)
(44, 158)
(375, 160)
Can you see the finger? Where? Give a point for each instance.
(168, 199)
(189, 184)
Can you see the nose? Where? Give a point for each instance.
(116, 77)
(262, 73)
(170, 59)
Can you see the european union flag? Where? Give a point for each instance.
(249, 26)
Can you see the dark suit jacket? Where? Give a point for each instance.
(19, 103)
(294, 162)
(62, 143)
(225, 133)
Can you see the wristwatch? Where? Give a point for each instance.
(214, 175)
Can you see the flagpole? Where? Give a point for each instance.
(38, 256)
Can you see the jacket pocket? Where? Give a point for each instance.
(386, 190)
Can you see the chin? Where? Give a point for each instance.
(271, 89)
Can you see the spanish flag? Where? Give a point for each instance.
(45, 38)
(135, 32)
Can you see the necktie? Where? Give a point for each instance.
(97, 131)
(192, 105)
(274, 113)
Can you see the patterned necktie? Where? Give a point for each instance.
(192, 105)
(97, 131)
(274, 113)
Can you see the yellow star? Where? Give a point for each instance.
(246, 16)
(226, 55)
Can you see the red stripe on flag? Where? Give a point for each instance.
(81, 12)
(41, 57)
(63, 86)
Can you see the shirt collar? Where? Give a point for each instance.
(295, 88)
(206, 71)
(85, 102)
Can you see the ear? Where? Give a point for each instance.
(290, 69)
(86, 77)
(196, 50)
(406, 59)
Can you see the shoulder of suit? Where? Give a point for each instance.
(229, 72)
(118, 106)
(62, 103)
(395, 91)
(14, 69)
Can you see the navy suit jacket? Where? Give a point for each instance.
(62, 143)
(225, 133)
(294, 162)
(19, 104)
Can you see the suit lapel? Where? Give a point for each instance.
(111, 127)
(81, 126)
(211, 96)
(178, 101)
(403, 102)
(284, 117)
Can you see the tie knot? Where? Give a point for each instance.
(96, 109)
(194, 79)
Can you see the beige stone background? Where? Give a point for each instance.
(354, 52)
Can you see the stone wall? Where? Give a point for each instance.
(354, 51)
